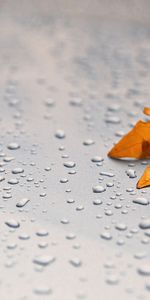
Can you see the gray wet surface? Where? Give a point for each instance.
(72, 224)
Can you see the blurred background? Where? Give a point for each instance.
(74, 78)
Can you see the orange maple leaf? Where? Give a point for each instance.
(146, 111)
(135, 144)
(145, 179)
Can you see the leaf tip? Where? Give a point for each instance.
(146, 111)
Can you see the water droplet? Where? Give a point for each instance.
(42, 290)
(140, 255)
(44, 260)
(76, 102)
(131, 173)
(140, 200)
(12, 246)
(106, 235)
(112, 279)
(12, 223)
(97, 201)
(88, 142)
(80, 207)
(112, 120)
(69, 164)
(60, 134)
(76, 262)
(24, 236)
(108, 212)
(97, 159)
(22, 202)
(17, 170)
(144, 270)
(8, 158)
(13, 181)
(13, 146)
(145, 224)
(42, 232)
(64, 180)
(2, 178)
(49, 102)
(43, 245)
(70, 236)
(98, 189)
(109, 184)
(108, 174)
(65, 221)
(121, 226)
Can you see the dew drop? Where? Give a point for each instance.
(131, 173)
(69, 164)
(12, 223)
(13, 146)
(97, 201)
(108, 174)
(144, 270)
(42, 290)
(76, 262)
(142, 201)
(97, 159)
(98, 189)
(106, 235)
(145, 224)
(121, 226)
(42, 232)
(13, 181)
(22, 202)
(44, 260)
(17, 170)
(112, 279)
(60, 134)
(88, 142)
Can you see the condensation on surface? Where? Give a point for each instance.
(74, 79)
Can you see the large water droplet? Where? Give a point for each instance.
(140, 200)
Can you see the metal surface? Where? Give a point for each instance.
(74, 78)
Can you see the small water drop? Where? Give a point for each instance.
(76, 262)
(97, 201)
(42, 290)
(145, 224)
(98, 189)
(97, 159)
(144, 270)
(60, 134)
(13, 146)
(22, 202)
(42, 232)
(121, 226)
(44, 260)
(106, 235)
(88, 142)
(69, 164)
(12, 223)
(17, 170)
